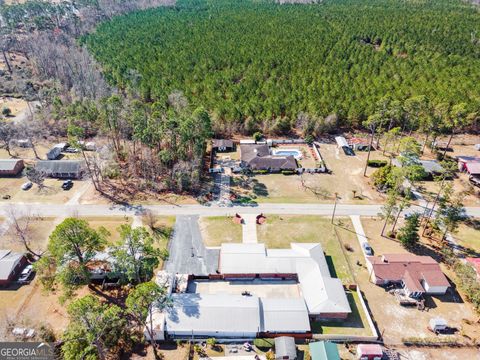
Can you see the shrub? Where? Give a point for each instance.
(257, 136)
(288, 172)
(6, 111)
(261, 172)
(377, 163)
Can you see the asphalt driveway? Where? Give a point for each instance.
(188, 254)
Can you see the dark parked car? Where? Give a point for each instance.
(67, 185)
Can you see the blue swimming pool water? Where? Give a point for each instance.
(287, 153)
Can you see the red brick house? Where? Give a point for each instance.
(418, 275)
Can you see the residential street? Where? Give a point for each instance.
(55, 210)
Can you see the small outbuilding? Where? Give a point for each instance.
(11, 264)
(323, 350)
(62, 169)
(285, 348)
(437, 324)
(11, 167)
(369, 352)
(223, 145)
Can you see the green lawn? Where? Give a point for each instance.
(220, 229)
(355, 324)
(281, 230)
(468, 235)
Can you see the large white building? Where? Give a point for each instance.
(325, 296)
(235, 316)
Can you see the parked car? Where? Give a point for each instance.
(71, 150)
(27, 185)
(67, 185)
(26, 274)
(367, 249)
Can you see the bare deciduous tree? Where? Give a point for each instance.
(21, 229)
(37, 177)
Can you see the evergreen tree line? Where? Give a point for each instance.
(260, 65)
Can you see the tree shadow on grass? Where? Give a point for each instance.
(259, 189)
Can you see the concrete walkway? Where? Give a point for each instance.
(249, 228)
(137, 221)
(357, 225)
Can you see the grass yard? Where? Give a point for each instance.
(111, 223)
(315, 188)
(281, 230)
(39, 231)
(220, 229)
(380, 245)
(355, 324)
(468, 235)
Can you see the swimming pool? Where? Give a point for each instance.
(297, 154)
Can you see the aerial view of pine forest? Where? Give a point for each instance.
(248, 61)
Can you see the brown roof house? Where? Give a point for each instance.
(258, 157)
(11, 167)
(11, 264)
(221, 145)
(418, 274)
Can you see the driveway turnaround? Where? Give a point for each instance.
(188, 254)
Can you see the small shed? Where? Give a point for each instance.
(341, 141)
(437, 324)
(54, 153)
(11, 167)
(369, 352)
(323, 350)
(285, 348)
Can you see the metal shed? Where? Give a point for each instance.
(285, 348)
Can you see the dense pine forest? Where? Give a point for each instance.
(256, 61)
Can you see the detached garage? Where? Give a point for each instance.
(11, 264)
(11, 167)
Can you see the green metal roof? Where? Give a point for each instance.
(322, 350)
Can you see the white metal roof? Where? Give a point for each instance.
(341, 141)
(284, 315)
(214, 313)
(8, 261)
(322, 293)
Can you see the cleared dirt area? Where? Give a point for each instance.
(280, 230)
(219, 229)
(395, 321)
(17, 106)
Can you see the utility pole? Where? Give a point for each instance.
(369, 150)
(334, 206)
(430, 212)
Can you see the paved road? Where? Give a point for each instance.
(188, 254)
(55, 210)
